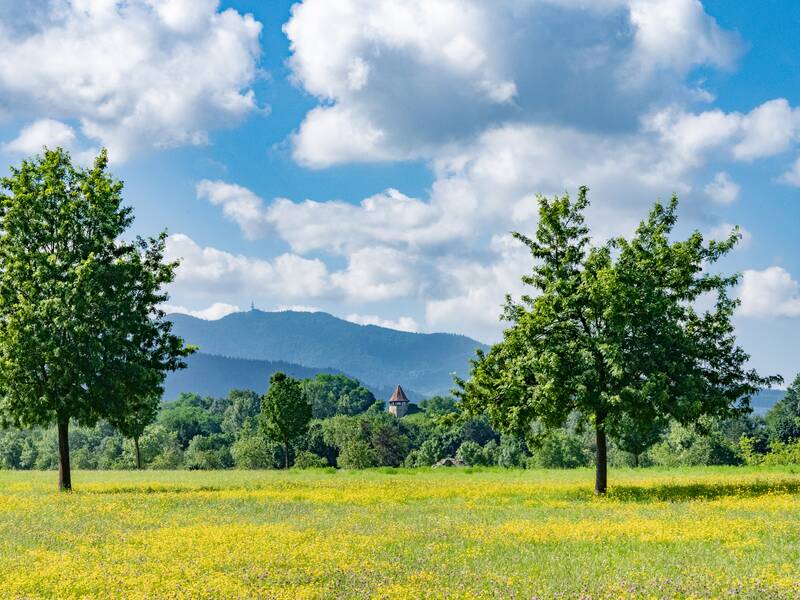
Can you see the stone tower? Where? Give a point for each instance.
(398, 403)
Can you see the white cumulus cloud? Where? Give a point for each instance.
(211, 313)
(398, 79)
(136, 74)
(723, 189)
(207, 272)
(769, 293)
(239, 204)
(401, 324)
(792, 176)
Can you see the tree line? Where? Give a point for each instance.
(351, 429)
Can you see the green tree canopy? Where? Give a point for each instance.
(783, 419)
(614, 333)
(81, 335)
(242, 412)
(285, 412)
(331, 395)
(187, 417)
(141, 412)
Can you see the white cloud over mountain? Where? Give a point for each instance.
(212, 313)
(401, 324)
(131, 75)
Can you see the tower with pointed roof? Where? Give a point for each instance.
(398, 403)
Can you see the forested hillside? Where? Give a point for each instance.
(212, 375)
(379, 357)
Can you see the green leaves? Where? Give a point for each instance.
(81, 336)
(614, 332)
(285, 411)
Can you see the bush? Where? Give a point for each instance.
(255, 452)
(560, 450)
(470, 453)
(82, 459)
(309, 460)
(208, 452)
(780, 453)
(170, 458)
(491, 453)
(357, 454)
(157, 445)
(11, 443)
(688, 447)
(511, 452)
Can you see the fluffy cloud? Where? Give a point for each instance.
(239, 204)
(390, 218)
(492, 96)
(792, 176)
(135, 74)
(207, 272)
(677, 35)
(444, 251)
(767, 130)
(212, 313)
(475, 291)
(374, 274)
(399, 78)
(401, 324)
(722, 190)
(769, 293)
(44, 132)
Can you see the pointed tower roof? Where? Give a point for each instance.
(399, 395)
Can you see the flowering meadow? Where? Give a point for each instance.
(418, 533)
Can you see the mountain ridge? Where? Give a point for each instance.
(214, 375)
(377, 356)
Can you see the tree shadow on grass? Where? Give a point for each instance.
(683, 492)
(150, 489)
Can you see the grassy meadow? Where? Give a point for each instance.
(460, 533)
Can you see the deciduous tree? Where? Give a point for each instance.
(81, 335)
(614, 333)
(285, 412)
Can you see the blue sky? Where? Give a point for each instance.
(369, 157)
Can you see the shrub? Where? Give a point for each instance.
(208, 452)
(470, 453)
(309, 460)
(688, 447)
(82, 459)
(357, 454)
(561, 450)
(255, 452)
(511, 452)
(780, 453)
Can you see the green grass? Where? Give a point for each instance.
(705, 532)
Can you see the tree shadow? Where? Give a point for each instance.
(683, 492)
(150, 489)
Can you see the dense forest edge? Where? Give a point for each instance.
(351, 429)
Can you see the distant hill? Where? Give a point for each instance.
(211, 375)
(766, 399)
(378, 357)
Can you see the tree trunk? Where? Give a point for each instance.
(285, 454)
(64, 475)
(138, 454)
(601, 476)
(635, 461)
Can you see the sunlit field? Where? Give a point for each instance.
(401, 534)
